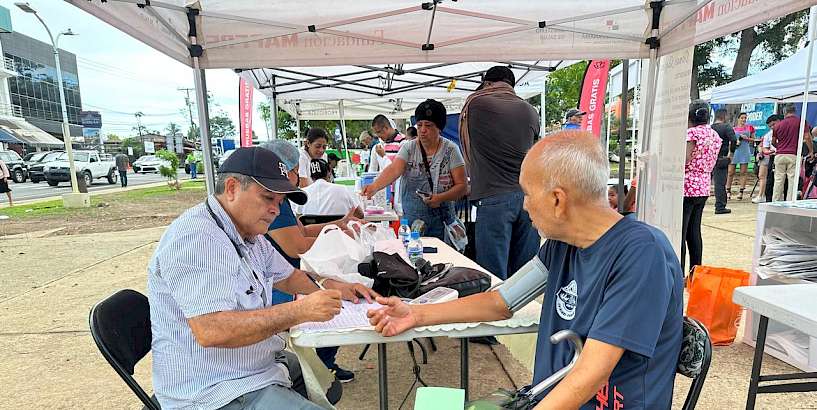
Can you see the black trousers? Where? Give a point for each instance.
(691, 231)
(719, 175)
(770, 180)
(123, 178)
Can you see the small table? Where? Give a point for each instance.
(792, 305)
(524, 321)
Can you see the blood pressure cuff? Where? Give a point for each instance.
(525, 285)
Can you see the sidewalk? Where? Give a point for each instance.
(50, 361)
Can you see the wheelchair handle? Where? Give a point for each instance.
(551, 381)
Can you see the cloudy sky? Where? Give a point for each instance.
(120, 75)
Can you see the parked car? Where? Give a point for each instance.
(90, 164)
(37, 161)
(149, 163)
(17, 167)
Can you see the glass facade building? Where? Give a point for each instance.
(35, 88)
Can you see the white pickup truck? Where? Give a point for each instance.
(90, 165)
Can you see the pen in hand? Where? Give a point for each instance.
(321, 287)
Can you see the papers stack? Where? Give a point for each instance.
(351, 317)
(790, 254)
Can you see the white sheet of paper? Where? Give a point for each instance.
(352, 316)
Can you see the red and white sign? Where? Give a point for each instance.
(594, 87)
(245, 112)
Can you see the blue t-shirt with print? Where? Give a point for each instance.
(626, 290)
(285, 219)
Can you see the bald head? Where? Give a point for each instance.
(570, 160)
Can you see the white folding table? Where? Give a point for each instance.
(524, 321)
(792, 305)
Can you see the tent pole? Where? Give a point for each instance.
(273, 117)
(636, 113)
(609, 127)
(543, 108)
(343, 133)
(204, 124)
(812, 20)
(622, 131)
(652, 85)
(298, 120)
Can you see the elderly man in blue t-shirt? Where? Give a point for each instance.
(614, 281)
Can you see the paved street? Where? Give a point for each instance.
(29, 190)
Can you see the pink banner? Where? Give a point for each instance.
(594, 87)
(245, 112)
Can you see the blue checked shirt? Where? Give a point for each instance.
(195, 271)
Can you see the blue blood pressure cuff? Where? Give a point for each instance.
(526, 284)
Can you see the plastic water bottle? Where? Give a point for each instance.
(404, 233)
(415, 248)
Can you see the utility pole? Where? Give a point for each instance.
(189, 103)
(138, 116)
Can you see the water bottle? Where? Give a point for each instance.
(404, 233)
(415, 248)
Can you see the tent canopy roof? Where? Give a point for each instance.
(26, 133)
(285, 33)
(782, 82)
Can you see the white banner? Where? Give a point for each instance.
(150, 147)
(664, 158)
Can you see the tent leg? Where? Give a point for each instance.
(204, 125)
(343, 133)
(812, 21)
(543, 109)
(649, 102)
(622, 131)
(273, 118)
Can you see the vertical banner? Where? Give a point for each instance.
(591, 101)
(245, 112)
(663, 161)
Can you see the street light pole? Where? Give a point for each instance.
(66, 132)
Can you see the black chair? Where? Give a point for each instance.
(319, 219)
(693, 362)
(120, 326)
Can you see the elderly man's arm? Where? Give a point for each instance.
(592, 370)
(231, 329)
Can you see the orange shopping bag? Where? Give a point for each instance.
(710, 301)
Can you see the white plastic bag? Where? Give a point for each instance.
(369, 234)
(336, 255)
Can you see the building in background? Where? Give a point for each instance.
(35, 88)
(16, 132)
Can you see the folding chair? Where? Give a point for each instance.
(693, 362)
(120, 326)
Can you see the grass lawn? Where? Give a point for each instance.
(55, 208)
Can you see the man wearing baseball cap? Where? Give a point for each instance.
(216, 334)
(573, 119)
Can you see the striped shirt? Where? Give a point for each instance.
(195, 271)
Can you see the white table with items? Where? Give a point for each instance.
(524, 321)
(792, 305)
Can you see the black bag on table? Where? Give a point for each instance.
(393, 276)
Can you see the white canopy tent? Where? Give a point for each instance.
(782, 82)
(246, 34)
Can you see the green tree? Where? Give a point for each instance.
(136, 144)
(563, 90)
(113, 137)
(193, 132)
(221, 126)
(172, 172)
(173, 129)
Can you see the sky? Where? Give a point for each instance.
(119, 75)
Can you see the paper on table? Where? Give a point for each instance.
(433, 398)
(352, 316)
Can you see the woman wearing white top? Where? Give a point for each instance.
(316, 142)
(326, 198)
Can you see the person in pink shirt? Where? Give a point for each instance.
(702, 147)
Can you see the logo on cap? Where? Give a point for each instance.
(283, 168)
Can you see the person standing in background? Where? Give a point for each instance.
(702, 146)
(122, 163)
(573, 119)
(765, 155)
(719, 173)
(785, 139)
(743, 155)
(4, 181)
(315, 148)
(497, 128)
(193, 164)
(384, 152)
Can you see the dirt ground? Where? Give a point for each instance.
(48, 284)
(123, 210)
